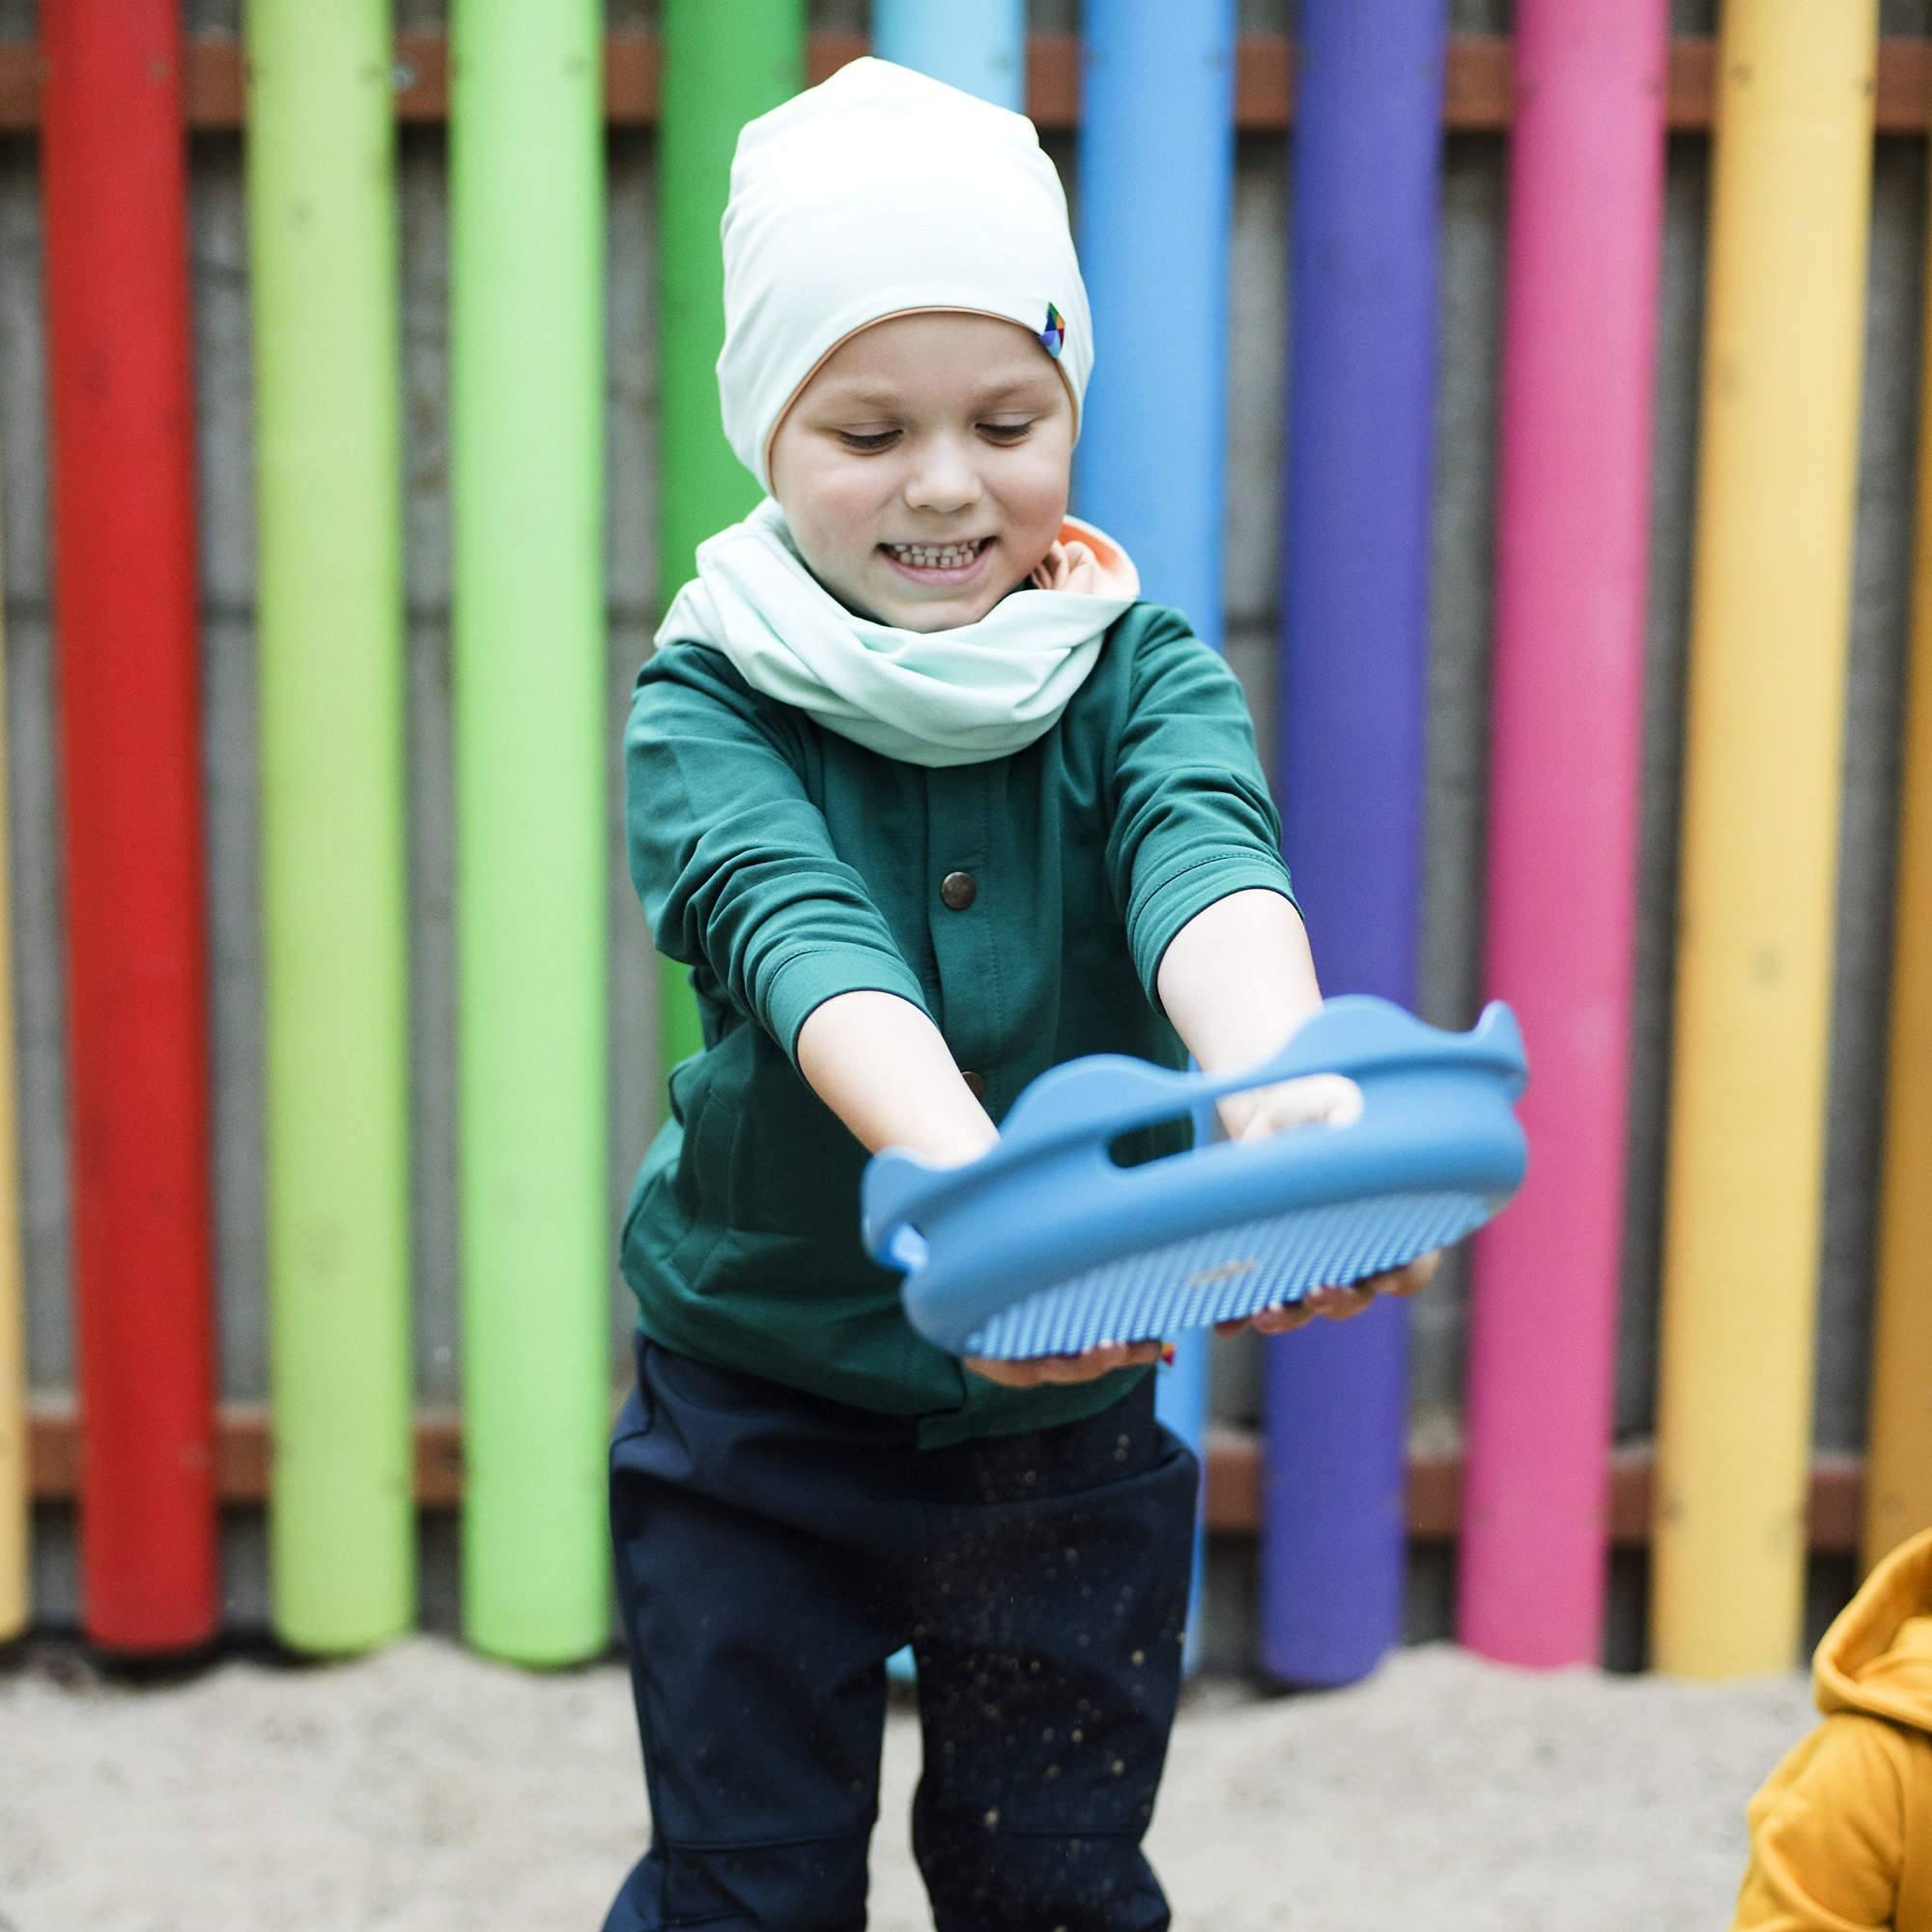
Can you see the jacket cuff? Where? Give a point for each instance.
(805, 980)
(1159, 914)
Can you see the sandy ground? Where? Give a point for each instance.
(424, 1790)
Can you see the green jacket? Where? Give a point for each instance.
(1023, 903)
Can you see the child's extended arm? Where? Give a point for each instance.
(1236, 979)
(883, 1068)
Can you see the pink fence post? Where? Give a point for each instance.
(1586, 184)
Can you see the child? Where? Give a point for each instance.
(928, 802)
(1841, 1832)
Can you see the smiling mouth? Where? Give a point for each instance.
(937, 559)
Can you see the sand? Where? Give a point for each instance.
(426, 1790)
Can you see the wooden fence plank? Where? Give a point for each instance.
(242, 1459)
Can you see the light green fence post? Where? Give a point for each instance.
(322, 268)
(527, 435)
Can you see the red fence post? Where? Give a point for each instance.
(124, 589)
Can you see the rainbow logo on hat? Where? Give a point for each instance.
(1053, 335)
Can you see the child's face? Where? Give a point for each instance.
(931, 429)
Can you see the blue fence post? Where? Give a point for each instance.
(975, 46)
(1156, 212)
(979, 47)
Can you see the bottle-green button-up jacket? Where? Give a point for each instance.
(784, 865)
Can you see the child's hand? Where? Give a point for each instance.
(1068, 566)
(1336, 1304)
(1087, 1367)
(1318, 1100)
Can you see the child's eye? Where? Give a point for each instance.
(1007, 432)
(853, 439)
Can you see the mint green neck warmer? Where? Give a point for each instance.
(927, 697)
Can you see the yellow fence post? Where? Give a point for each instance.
(1769, 633)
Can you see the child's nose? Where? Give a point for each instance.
(944, 478)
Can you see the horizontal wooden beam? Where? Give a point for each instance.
(1833, 1507)
(242, 1453)
(1479, 93)
(242, 1459)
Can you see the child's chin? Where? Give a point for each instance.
(939, 613)
(943, 616)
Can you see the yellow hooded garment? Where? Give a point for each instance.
(1841, 1831)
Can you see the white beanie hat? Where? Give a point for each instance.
(878, 192)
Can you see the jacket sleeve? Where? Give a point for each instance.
(1193, 819)
(1827, 1835)
(732, 860)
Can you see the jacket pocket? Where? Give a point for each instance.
(704, 1181)
(795, 1166)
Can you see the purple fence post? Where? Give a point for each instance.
(1366, 159)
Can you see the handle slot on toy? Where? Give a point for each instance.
(1328, 1109)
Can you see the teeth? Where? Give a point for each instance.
(925, 557)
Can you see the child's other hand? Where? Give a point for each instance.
(1087, 1367)
(1321, 1304)
(1068, 566)
(1336, 1304)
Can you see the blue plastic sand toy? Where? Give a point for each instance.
(1046, 1245)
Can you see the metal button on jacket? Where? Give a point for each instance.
(958, 889)
(976, 1083)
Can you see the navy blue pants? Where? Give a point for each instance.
(773, 1549)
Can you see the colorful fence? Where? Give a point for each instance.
(1594, 85)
